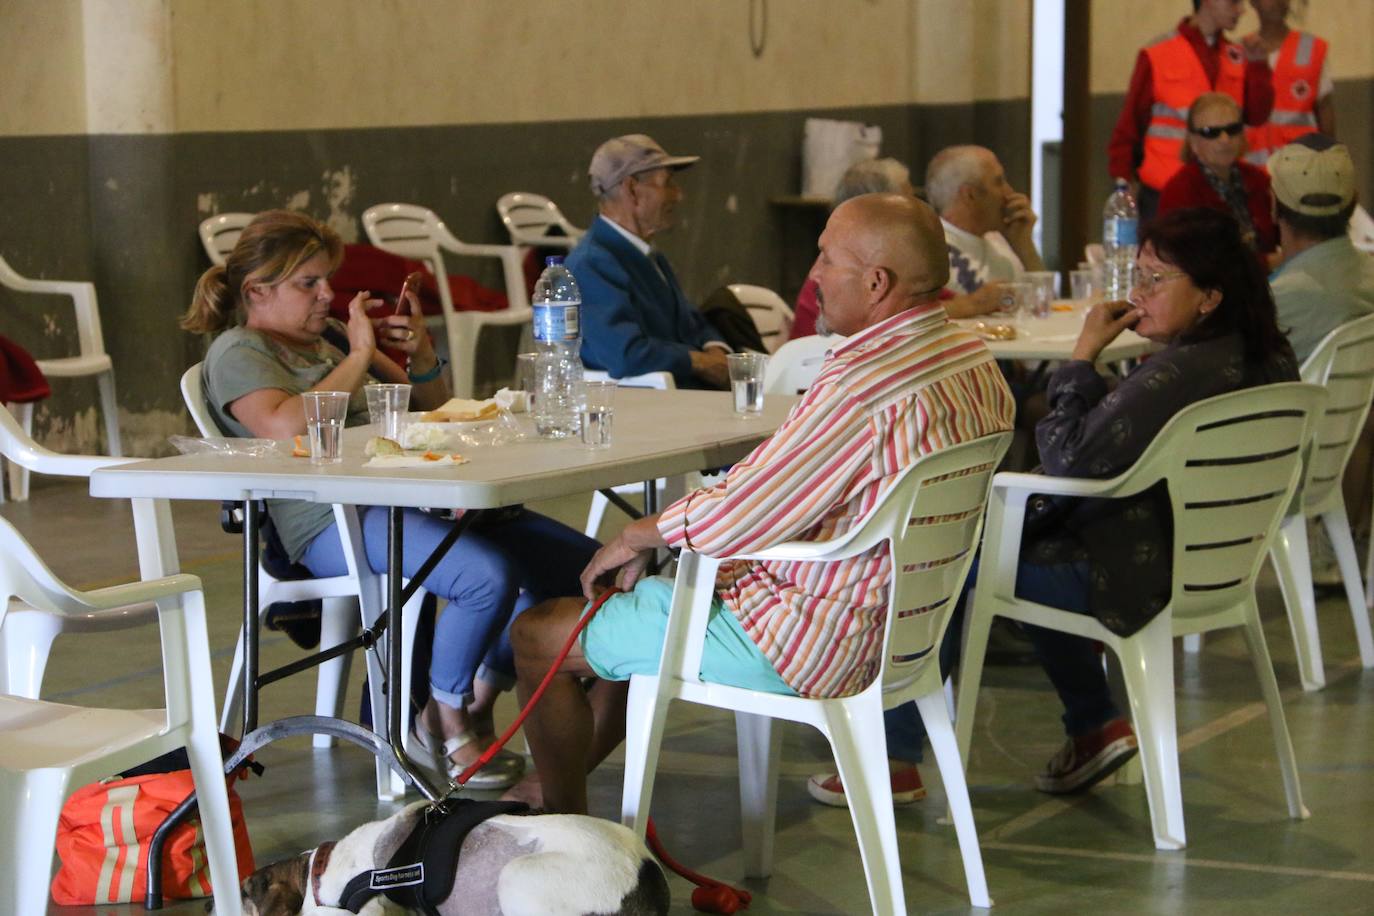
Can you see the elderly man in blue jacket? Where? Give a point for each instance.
(636, 318)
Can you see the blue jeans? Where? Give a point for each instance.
(491, 574)
(1073, 665)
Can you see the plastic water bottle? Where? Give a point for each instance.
(1120, 219)
(557, 306)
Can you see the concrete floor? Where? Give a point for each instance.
(1043, 855)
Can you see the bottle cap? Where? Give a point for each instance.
(553, 259)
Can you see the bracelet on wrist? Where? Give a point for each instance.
(429, 375)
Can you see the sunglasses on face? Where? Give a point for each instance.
(1211, 133)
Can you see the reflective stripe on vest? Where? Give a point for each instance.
(1297, 80)
(1177, 78)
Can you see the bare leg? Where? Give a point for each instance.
(567, 730)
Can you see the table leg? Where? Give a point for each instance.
(395, 690)
(251, 523)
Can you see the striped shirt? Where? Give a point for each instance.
(894, 392)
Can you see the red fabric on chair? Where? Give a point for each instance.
(381, 273)
(21, 380)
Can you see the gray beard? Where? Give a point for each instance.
(822, 326)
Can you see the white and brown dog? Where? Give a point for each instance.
(508, 865)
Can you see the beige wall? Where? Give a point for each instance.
(42, 68)
(159, 66)
(1120, 28)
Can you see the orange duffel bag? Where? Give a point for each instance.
(106, 828)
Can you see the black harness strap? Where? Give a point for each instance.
(421, 872)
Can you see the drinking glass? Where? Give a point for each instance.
(325, 412)
(1044, 285)
(527, 377)
(746, 382)
(1016, 301)
(1081, 286)
(597, 408)
(386, 408)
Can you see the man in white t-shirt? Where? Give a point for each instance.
(987, 223)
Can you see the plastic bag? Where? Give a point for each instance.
(237, 448)
(829, 148)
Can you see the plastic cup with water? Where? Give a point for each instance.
(1044, 287)
(325, 412)
(1081, 286)
(597, 408)
(746, 382)
(386, 408)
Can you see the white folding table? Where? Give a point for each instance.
(656, 434)
(1052, 338)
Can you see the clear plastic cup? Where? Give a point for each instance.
(1081, 286)
(1017, 297)
(597, 408)
(386, 408)
(746, 382)
(1044, 287)
(325, 412)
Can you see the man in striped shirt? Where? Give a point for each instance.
(904, 384)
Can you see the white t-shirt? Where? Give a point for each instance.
(975, 260)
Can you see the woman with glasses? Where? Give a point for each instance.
(1215, 176)
(1201, 292)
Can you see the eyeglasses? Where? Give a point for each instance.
(1144, 282)
(1211, 133)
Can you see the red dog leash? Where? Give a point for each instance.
(711, 896)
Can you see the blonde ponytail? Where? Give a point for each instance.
(212, 305)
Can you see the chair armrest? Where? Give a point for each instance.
(1012, 481)
(120, 596)
(29, 454)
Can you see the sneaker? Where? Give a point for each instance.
(827, 789)
(1088, 759)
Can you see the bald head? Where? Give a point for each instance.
(880, 254)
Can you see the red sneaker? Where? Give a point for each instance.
(827, 789)
(1087, 759)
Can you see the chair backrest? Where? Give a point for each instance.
(1343, 363)
(1232, 463)
(933, 519)
(193, 394)
(771, 315)
(410, 232)
(662, 381)
(1361, 229)
(795, 365)
(90, 339)
(219, 234)
(417, 232)
(531, 218)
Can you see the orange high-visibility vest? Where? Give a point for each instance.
(1177, 80)
(1297, 78)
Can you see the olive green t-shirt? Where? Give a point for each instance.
(242, 361)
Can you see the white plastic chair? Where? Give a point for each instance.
(1232, 464)
(669, 488)
(771, 315)
(1344, 364)
(530, 219)
(416, 232)
(345, 602)
(795, 365)
(930, 518)
(91, 359)
(28, 635)
(219, 234)
(51, 749)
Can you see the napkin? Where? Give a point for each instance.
(414, 461)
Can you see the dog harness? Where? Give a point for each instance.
(421, 872)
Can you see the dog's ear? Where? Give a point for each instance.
(276, 889)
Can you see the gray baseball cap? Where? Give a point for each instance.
(620, 157)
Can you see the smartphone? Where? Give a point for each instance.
(412, 281)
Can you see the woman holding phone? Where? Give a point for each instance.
(269, 306)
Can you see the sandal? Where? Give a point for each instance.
(503, 771)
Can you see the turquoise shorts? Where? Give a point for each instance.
(626, 637)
